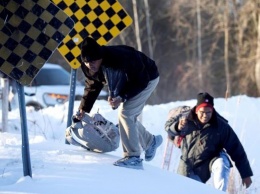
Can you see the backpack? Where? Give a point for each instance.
(94, 133)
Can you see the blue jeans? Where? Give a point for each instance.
(220, 172)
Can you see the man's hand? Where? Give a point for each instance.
(80, 114)
(186, 126)
(182, 123)
(247, 181)
(114, 102)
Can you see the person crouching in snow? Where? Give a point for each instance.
(206, 141)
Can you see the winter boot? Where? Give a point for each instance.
(150, 152)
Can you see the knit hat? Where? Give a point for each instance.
(90, 50)
(204, 100)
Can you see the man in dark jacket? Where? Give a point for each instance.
(206, 140)
(131, 78)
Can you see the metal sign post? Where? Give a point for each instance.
(25, 142)
(71, 97)
(30, 32)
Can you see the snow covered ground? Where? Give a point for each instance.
(58, 167)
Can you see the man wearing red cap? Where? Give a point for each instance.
(207, 141)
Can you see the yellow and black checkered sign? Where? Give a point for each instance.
(30, 30)
(101, 19)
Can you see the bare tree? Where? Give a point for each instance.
(199, 44)
(148, 26)
(246, 31)
(257, 66)
(137, 29)
(198, 27)
(226, 50)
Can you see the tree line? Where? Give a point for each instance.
(200, 45)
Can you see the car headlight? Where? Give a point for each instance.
(51, 99)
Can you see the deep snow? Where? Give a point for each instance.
(58, 167)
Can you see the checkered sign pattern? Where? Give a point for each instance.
(100, 19)
(30, 31)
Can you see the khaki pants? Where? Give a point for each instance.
(134, 136)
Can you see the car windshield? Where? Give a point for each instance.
(52, 76)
